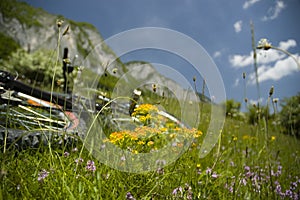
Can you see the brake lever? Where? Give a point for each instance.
(6, 78)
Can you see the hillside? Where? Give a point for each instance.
(33, 29)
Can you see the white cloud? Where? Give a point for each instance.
(280, 69)
(274, 11)
(263, 57)
(272, 64)
(238, 26)
(239, 61)
(249, 3)
(217, 54)
(288, 44)
(236, 82)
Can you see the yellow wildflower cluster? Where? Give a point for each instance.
(144, 139)
(145, 113)
(157, 132)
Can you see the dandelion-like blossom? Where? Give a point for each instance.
(264, 44)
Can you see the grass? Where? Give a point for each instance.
(249, 162)
(246, 165)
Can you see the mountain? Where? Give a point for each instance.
(33, 29)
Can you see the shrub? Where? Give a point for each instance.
(255, 113)
(37, 66)
(232, 108)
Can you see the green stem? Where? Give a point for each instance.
(289, 54)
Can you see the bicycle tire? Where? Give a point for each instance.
(13, 136)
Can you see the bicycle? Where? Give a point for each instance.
(31, 117)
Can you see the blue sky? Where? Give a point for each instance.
(221, 27)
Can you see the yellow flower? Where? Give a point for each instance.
(234, 138)
(172, 135)
(135, 152)
(273, 138)
(198, 165)
(150, 143)
(141, 142)
(163, 129)
(246, 137)
(144, 109)
(197, 134)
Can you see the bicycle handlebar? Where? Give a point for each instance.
(8, 81)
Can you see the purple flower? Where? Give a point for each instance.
(79, 160)
(293, 185)
(214, 175)
(175, 191)
(66, 154)
(123, 158)
(208, 170)
(279, 170)
(90, 166)
(244, 182)
(230, 188)
(289, 193)
(247, 168)
(278, 189)
(129, 196)
(42, 175)
(160, 170)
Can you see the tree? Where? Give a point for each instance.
(290, 115)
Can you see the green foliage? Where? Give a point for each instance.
(8, 45)
(232, 108)
(241, 167)
(25, 14)
(37, 66)
(255, 114)
(290, 115)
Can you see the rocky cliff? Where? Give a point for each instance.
(33, 29)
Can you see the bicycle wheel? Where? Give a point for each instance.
(26, 121)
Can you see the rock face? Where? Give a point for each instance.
(35, 29)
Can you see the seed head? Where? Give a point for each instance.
(154, 87)
(194, 78)
(244, 75)
(271, 91)
(59, 22)
(264, 44)
(66, 30)
(275, 100)
(114, 70)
